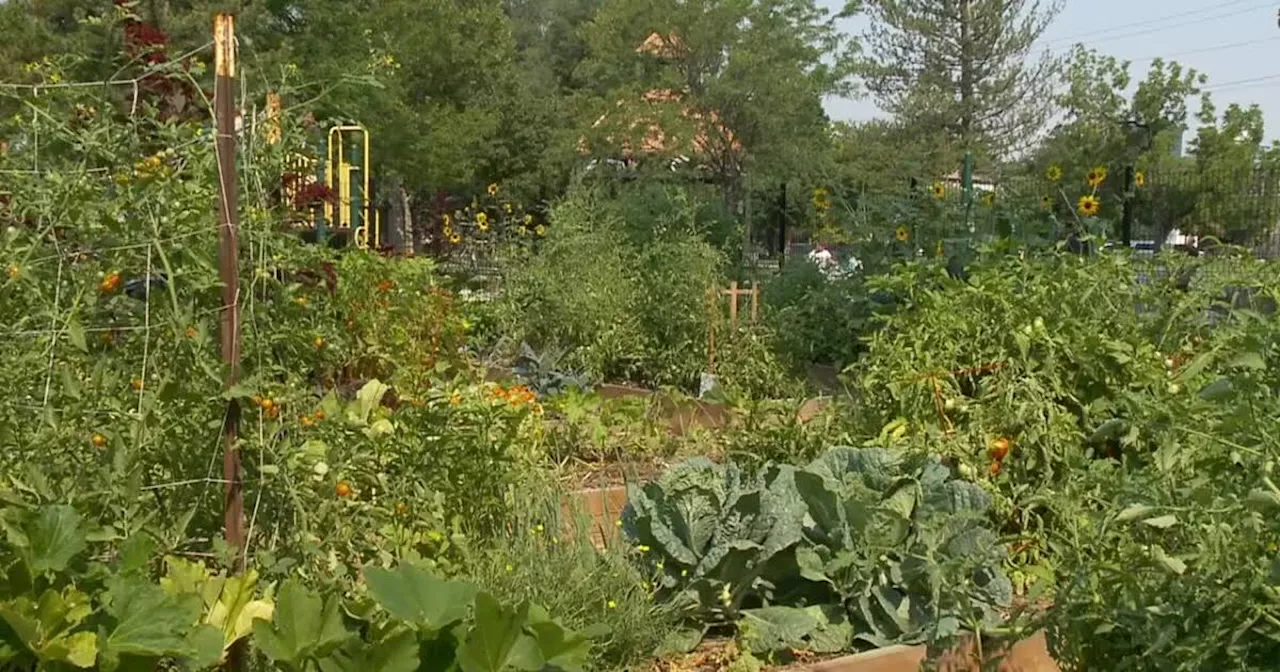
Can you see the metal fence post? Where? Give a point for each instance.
(1126, 216)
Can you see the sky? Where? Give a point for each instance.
(1235, 42)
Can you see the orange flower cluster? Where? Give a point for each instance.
(517, 395)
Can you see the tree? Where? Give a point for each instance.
(1104, 125)
(1236, 178)
(964, 66)
(737, 85)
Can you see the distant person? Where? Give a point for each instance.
(822, 257)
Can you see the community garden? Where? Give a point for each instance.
(996, 426)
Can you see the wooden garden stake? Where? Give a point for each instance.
(755, 302)
(733, 304)
(712, 310)
(224, 107)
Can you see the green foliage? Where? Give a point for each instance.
(748, 78)
(890, 549)
(1172, 569)
(585, 291)
(817, 319)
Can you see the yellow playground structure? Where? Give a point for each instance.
(344, 168)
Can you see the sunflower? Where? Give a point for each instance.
(1089, 205)
(821, 199)
(939, 192)
(1054, 173)
(455, 238)
(482, 221)
(1140, 179)
(493, 189)
(1097, 176)
(903, 234)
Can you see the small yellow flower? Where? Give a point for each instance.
(455, 399)
(538, 527)
(1046, 203)
(1089, 206)
(528, 219)
(642, 548)
(493, 189)
(1140, 179)
(617, 523)
(684, 573)
(1053, 173)
(510, 569)
(455, 238)
(14, 272)
(507, 207)
(541, 230)
(989, 198)
(612, 605)
(482, 221)
(903, 234)
(938, 190)
(1096, 177)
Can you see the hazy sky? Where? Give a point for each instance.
(1235, 42)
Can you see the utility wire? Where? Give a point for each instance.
(1111, 34)
(1204, 50)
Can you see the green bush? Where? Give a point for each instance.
(626, 307)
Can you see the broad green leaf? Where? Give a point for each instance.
(560, 647)
(79, 649)
(411, 593)
(205, 646)
(54, 536)
(497, 641)
(148, 622)
(397, 653)
(302, 628)
(681, 640)
(367, 400)
(44, 626)
(820, 629)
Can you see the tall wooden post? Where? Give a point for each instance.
(224, 104)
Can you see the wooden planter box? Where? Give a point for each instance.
(599, 509)
(1029, 655)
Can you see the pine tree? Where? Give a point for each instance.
(963, 68)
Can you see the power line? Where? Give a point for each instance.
(1106, 36)
(1204, 50)
(1252, 81)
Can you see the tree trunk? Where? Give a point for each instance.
(409, 242)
